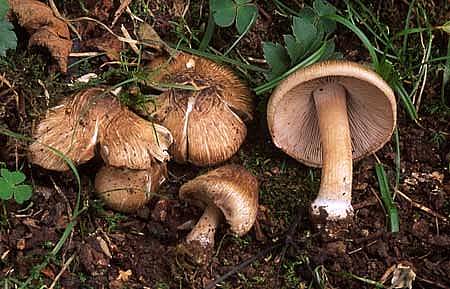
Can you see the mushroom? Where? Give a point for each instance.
(326, 115)
(230, 191)
(127, 190)
(71, 128)
(207, 120)
(133, 149)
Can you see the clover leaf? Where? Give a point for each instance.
(8, 39)
(241, 12)
(11, 185)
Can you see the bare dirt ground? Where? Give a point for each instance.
(112, 250)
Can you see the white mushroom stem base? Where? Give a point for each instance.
(205, 229)
(333, 202)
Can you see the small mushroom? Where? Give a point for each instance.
(326, 115)
(230, 191)
(127, 190)
(207, 120)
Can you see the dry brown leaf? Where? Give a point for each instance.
(45, 29)
(107, 43)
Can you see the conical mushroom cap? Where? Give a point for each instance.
(127, 190)
(207, 122)
(71, 128)
(232, 189)
(292, 117)
(129, 141)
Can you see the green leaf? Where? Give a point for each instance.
(294, 49)
(4, 7)
(245, 17)
(277, 57)
(5, 190)
(446, 27)
(223, 11)
(304, 31)
(16, 177)
(308, 14)
(22, 193)
(242, 2)
(322, 7)
(8, 39)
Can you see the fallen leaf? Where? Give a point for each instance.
(124, 275)
(106, 43)
(48, 272)
(45, 29)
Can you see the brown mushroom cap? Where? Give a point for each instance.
(89, 117)
(127, 140)
(293, 121)
(232, 189)
(207, 123)
(127, 190)
(72, 128)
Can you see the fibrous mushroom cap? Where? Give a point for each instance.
(129, 141)
(208, 122)
(89, 117)
(127, 190)
(232, 189)
(293, 121)
(72, 128)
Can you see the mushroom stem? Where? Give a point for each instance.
(205, 229)
(333, 202)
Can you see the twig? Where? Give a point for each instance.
(386, 274)
(64, 268)
(84, 54)
(59, 16)
(123, 5)
(432, 283)
(422, 207)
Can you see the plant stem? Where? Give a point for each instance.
(210, 27)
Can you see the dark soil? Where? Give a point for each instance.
(111, 250)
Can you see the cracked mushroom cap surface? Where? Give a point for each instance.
(231, 188)
(293, 121)
(127, 190)
(207, 121)
(73, 128)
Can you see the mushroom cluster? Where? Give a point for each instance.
(203, 125)
(133, 149)
(327, 115)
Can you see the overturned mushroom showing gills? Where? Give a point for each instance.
(206, 117)
(94, 116)
(230, 191)
(127, 190)
(326, 115)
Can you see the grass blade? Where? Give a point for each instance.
(359, 33)
(388, 202)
